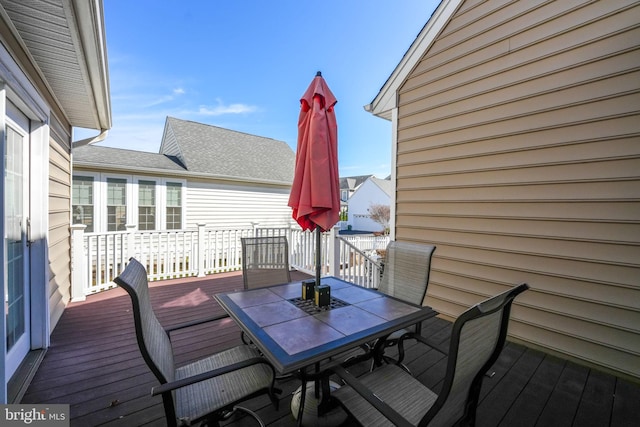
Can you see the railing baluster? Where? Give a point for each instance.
(176, 253)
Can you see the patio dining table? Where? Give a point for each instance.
(296, 336)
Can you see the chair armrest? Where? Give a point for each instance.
(195, 322)
(163, 388)
(386, 410)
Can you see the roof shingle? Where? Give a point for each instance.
(199, 149)
(212, 150)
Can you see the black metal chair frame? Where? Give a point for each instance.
(501, 302)
(394, 249)
(134, 281)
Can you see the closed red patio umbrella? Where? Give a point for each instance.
(315, 193)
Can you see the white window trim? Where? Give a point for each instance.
(102, 201)
(100, 198)
(96, 179)
(183, 195)
(136, 199)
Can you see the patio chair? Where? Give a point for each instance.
(204, 390)
(265, 261)
(390, 396)
(405, 276)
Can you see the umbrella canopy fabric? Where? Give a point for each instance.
(315, 193)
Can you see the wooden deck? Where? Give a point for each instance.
(94, 365)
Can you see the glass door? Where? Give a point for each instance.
(16, 221)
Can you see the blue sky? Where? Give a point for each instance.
(243, 65)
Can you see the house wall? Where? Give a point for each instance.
(57, 164)
(48, 196)
(59, 220)
(217, 204)
(365, 196)
(222, 205)
(518, 156)
(100, 177)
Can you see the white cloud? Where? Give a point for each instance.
(167, 98)
(221, 109)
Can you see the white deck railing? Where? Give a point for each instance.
(97, 258)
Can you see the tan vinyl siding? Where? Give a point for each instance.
(519, 156)
(59, 220)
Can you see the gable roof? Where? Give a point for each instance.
(384, 184)
(386, 100)
(65, 41)
(118, 159)
(196, 149)
(352, 182)
(224, 153)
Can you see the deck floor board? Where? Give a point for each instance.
(94, 365)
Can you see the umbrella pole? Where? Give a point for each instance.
(318, 253)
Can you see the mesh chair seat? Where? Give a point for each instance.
(406, 271)
(265, 261)
(391, 396)
(199, 399)
(405, 276)
(206, 389)
(390, 383)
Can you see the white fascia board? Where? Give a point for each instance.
(88, 18)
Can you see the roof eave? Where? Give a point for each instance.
(89, 22)
(387, 98)
(139, 169)
(75, 26)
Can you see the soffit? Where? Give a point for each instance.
(65, 40)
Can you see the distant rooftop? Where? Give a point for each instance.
(352, 182)
(197, 149)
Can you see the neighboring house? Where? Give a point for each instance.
(203, 175)
(53, 77)
(517, 153)
(349, 184)
(374, 191)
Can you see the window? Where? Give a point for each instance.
(82, 201)
(174, 206)
(116, 204)
(146, 205)
(345, 195)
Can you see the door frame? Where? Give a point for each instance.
(21, 126)
(16, 87)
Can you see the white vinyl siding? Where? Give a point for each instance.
(215, 204)
(367, 194)
(518, 156)
(228, 206)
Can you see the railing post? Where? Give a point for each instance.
(131, 241)
(334, 252)
(201, 250)
(78, 272)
